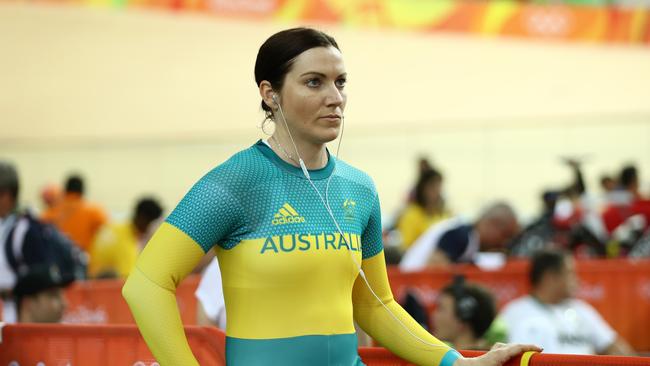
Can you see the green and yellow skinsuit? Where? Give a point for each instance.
(291, 288)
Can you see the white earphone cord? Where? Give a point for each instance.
(331, 214)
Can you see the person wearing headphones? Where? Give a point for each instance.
(297, 233)
(463, 314)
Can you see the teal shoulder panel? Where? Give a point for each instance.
(212, 212)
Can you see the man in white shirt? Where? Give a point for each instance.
(553, 319)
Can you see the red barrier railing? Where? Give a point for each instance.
(101, 302)
(108, 345)
(97, 345)
(383, 357)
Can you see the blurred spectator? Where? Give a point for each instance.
(538, 234)
(464, 312)
(627, 216)
(626, 188)
(423, 165)
(578, 212)
(74, 216)
(613, 192)
(394, 240)
(39, 294)
(552, 318)
(570, 220)
(607, 183)
(9, 188)
(116, 247)
(629, 182)
(642, 247)
(427, 208)
(456, 240)
(50, 195)
(26, 242)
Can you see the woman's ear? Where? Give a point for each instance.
(267, 93)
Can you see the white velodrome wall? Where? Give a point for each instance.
(145, 102)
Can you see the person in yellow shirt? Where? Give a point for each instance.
(427, 208)
(117, 246)
(74, 216)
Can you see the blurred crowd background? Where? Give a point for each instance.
(487, 144)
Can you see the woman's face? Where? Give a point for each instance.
(432, 191)
(313, 95)
(566, 281)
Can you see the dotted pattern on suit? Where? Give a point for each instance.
(240, 198)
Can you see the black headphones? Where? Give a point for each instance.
(466, 304)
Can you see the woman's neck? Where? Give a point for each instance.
(432, 208)
(546, 296)
(313, 155)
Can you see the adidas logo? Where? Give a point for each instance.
(287, 215)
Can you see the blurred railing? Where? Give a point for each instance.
(108, 345)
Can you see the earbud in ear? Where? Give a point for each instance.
(275, 98)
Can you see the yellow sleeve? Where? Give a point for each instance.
(150, 291)
(378, 322)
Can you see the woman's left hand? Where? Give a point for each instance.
(499, 354)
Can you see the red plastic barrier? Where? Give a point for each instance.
(383, 357)
(101, 302)
(108, 345)
(97, 345)
(576, 360)
(377, 356)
